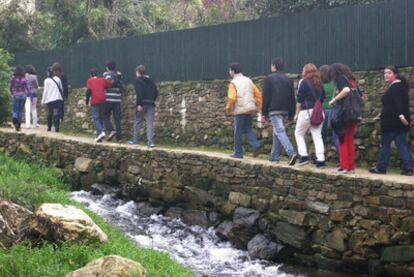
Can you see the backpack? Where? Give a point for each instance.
(353, 106)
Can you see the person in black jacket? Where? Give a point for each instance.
(279, 102)
(395, 122)
(146, 94)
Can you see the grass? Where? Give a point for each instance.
(31, 185)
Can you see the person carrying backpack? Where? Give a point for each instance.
(348, 110)
(113, 101)
(309, 99)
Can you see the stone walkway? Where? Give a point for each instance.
(359, 173)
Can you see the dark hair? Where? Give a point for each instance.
(236, 67)
(326, 73)
(111, 65)
(94, 72)
(30, 69)
(397, 73)
(140, 69)
(57, 69)
(279, 64)
(49, 72)
(342, 69)
(19, 71)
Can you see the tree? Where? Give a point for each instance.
(5, 73)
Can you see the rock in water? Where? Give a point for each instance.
(56, 222)
(110, 266)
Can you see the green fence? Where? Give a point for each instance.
(363, 36)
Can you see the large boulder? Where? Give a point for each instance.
(110, 266)
(244, 228)
(7, 236)
(261, 247)
(56, 222)
(17, 217)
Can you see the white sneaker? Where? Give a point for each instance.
(111, 135)
(100, 137)
(152, 145)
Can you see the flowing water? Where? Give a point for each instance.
(195, 247)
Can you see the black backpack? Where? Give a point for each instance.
(353, 106)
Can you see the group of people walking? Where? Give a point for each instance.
(328, 103)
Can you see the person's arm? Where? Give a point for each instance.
(344, 89)
(299, 99)
(267, 98)
(108, 83)
(258, 97)
(11, 86)
(291, 101)
(399, 104)
(88, 96)
(45, 90)
(36, 82)
(231, 98)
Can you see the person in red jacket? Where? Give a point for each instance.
(95, 91)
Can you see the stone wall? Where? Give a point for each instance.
(192, 114)
(335, 222)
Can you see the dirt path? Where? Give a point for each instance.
(359, 173)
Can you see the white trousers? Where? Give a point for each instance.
(31, 112)
(302, 126)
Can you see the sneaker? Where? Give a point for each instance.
(234, 156)
(319, 164)
(408, 172)
(100, 137)
(111, 135)
(257, 151)
(376, 170)
(339, 170)
(274, 161)
(303, 160)
(131, 142)
(152, 145)
(293, 159)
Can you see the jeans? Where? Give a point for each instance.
(280, 137)
(54, 114)
(97, 117)
(18, 106)
(327, 129)
(243, 124)
(400, 141)
(114, 109)
(302, 126)
(148, 112)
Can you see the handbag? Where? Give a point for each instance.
(316, 118)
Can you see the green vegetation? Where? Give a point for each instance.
(5, 72)
(31, 185)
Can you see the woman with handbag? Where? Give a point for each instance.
(344, 81)
(395, 122)
(309, 114)
(52, 97)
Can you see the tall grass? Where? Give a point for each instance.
(30, 184)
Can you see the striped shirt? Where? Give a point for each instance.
(114, 93)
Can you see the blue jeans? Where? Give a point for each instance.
(112, 108)
(280, 137)
(327, 129)
(97, 117)
(400, 141)
(148, 112)
(18, 107)
(243, 124)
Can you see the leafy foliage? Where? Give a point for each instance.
(5, 72)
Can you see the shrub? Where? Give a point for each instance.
(5, 72)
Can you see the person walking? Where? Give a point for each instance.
(58, 71)
(113, 101)
(31, 102)
(329, 88)
(395, 122)
(146, 95)
(309, 92)
(53, 98)
(95, 92)
(244, 100)
(344, 81)
(20, 90)
(278, 103)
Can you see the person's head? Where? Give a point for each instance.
(326, 73)
(49, 72)
(94, 72)
(277, 65)
(140, 70)
(19, 71)
(30, 69)
(310, 72)
(391, 74)
(339, 69)
(110, 65)
(57, 69)
(235, 68)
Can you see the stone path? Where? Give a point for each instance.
(360, 173)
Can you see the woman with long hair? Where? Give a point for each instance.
(395, 122)
(52, 97)
(345, 81)
(31, 104)
(19, 90)
(309, 92)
